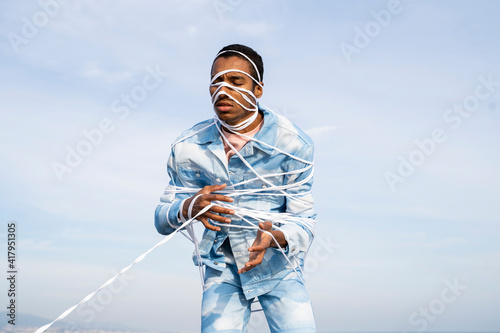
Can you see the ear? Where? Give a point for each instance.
(258, 91)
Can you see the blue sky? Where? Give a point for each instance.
(383, 254)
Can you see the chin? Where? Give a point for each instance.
(226, 116)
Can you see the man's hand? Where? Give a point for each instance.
(262, 242)
(206, 199)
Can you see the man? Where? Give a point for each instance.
(246, 176)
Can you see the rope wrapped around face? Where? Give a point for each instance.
(246, 94)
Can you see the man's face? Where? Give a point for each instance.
(225, 108)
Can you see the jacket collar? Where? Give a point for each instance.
(266, 134)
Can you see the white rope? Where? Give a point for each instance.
(277, 219)
(244, 55)
(243, 93)
(137, 260)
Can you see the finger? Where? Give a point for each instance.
(212, 188)
(219, 197)
(260, 247)
(220, 210)
(253, 263)
(262, 243)
(245, 269)
(216, 217)
(208, 225)
(266, 225)
(250, 265)
(256, 258)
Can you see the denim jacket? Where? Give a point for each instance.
(200, 160)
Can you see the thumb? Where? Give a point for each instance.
(267, 225)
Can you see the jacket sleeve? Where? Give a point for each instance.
(300, 233)
(166, 220)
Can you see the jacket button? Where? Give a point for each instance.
(216, 263)
(198, 174)
(215, 241)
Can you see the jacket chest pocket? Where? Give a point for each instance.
(265, 199)
(194, 177)
(252, 182)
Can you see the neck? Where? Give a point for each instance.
(250, 127)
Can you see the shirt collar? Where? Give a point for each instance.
(266, 134)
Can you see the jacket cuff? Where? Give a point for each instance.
(296, 237)
(172, 214)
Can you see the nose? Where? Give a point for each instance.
(225, 89)
(221, 90)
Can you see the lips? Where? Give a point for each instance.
(223, 103)
(223, 106)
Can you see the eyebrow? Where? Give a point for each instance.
(236, 77)
(233, 76)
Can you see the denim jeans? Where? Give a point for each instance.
(225, 309)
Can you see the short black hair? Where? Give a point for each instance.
(249, 52)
